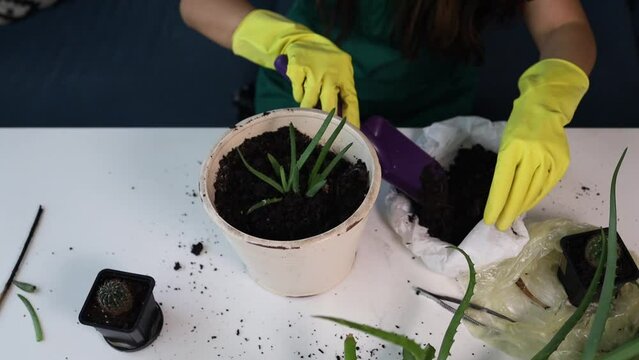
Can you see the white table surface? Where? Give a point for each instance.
(123, 199)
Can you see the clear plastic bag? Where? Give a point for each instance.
(543, 311)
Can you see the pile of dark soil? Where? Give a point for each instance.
(296, 216)
(454, 204)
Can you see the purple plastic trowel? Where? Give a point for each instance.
(402, 161)
(281, 64)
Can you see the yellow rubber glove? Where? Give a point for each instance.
(534, 154)
(317, 68)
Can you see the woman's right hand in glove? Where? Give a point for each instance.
(319, 71)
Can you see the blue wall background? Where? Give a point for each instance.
(134, 63)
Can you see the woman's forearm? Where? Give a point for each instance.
(215, 19)
(561, 30)
(573, 42)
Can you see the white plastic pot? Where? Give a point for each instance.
(299, 267)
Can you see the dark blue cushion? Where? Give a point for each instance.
(115, 63)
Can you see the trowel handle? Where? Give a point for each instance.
(281, 65)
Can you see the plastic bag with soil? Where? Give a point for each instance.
(526, 289)
(485, 244)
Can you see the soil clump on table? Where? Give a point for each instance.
(196, 249)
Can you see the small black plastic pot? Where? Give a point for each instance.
(581, 254)
(131, 328)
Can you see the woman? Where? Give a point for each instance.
(412, 62)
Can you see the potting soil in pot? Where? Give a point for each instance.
(453, 205)
(295, 216)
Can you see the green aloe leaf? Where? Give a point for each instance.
(294, 171)
(279, 171)
(34, 318)
(260, 175)
(285, 184)
(397, 339)
(334, 162)
(449, 336)
(274, 163)
(311, 146)
(605, 298)
(315, 188)
(263, 203)
(407, 356)
(321, 179)
(25, 286)
(325, 149)
(629, 350)
(350, 348)
(561, 334)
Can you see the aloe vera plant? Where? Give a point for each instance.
(411, 349)
(607, 256)
(284, 183)
(605, 298)
(561, 334)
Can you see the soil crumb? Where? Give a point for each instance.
(196, 249)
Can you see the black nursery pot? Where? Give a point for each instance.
(579, 264)
(130, 330)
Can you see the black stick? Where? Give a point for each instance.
(24, 250)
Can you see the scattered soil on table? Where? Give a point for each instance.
(94, 312)
(296, 216)
(453, 205)
(177, 266)
(196, 249)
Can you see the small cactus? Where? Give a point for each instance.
(594, 246)
(115, 297)
(593, 250)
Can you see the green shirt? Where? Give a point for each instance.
(408, 92)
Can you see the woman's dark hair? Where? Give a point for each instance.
(447, 27)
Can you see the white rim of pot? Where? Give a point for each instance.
(375, 177)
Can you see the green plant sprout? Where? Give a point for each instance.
(605, 298)
(34, 318)
(26, 287)
(30, 288)
(411, 349)
(350, 348)
(290, 183)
